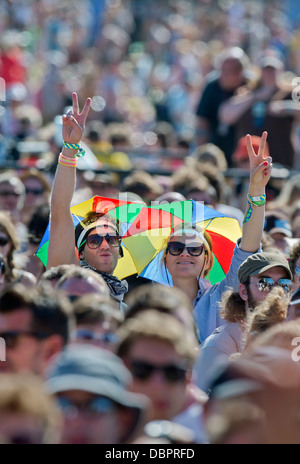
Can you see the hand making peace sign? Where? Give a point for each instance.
(74, 122)
(260, 166)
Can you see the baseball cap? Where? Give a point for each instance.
(98, 371)
(260, 262)
(241, 152)
(271, 62)
(277, 223)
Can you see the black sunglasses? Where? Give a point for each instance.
(9, 193)
(34, 191)
(94, 240)
(142, 370)
(91, 336)
(4, 241)
(11, 337)
(177, 248)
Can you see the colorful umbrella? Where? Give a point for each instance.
(145, 231)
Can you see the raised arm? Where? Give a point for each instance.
(62, 238)
(232, 109)
(260, 172)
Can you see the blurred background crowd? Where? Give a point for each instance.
(145, 64)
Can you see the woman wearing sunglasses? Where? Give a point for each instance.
(188, 256)
(96, 243)
(9, 244)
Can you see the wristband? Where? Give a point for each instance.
(75, 146)
(64, 161)
(254, 201)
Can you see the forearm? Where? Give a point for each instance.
(234, 108)
(63, 187)
(253, 228)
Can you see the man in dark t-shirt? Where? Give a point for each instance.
(221, 86)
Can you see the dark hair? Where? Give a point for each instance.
(50, 309)
(93, 309)
(91, 217)
(38, 223)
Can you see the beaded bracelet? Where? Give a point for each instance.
(64, 161)
(75, 146)
(254, 201)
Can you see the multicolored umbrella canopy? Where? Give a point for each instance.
(145, 232)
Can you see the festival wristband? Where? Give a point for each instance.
(75, 146)
(254, 201)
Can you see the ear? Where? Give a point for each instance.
(81, 254)
(243, 292)
(50, 347)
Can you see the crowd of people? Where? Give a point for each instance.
(86, 357)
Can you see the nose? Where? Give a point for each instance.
(184, 251)
(104, 245)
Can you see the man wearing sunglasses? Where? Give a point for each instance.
(258, 275)
(35, 324)
(159, 351)
(91, 386)
(96, 243)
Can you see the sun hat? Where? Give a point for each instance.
(98, 371)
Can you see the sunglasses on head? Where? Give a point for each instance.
(266, 284)
(94, 240)
(11, 337)
(94, 407)
(34, 191)
(90, 336)
(143, 370)
(177, 248)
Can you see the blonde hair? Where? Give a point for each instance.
(272, 310)
(160, 326)
(8, 228)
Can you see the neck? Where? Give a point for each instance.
(189, 286)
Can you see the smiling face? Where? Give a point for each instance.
(185, 264)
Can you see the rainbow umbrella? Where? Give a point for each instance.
(145, 231)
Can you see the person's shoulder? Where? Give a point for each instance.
(211, 81)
